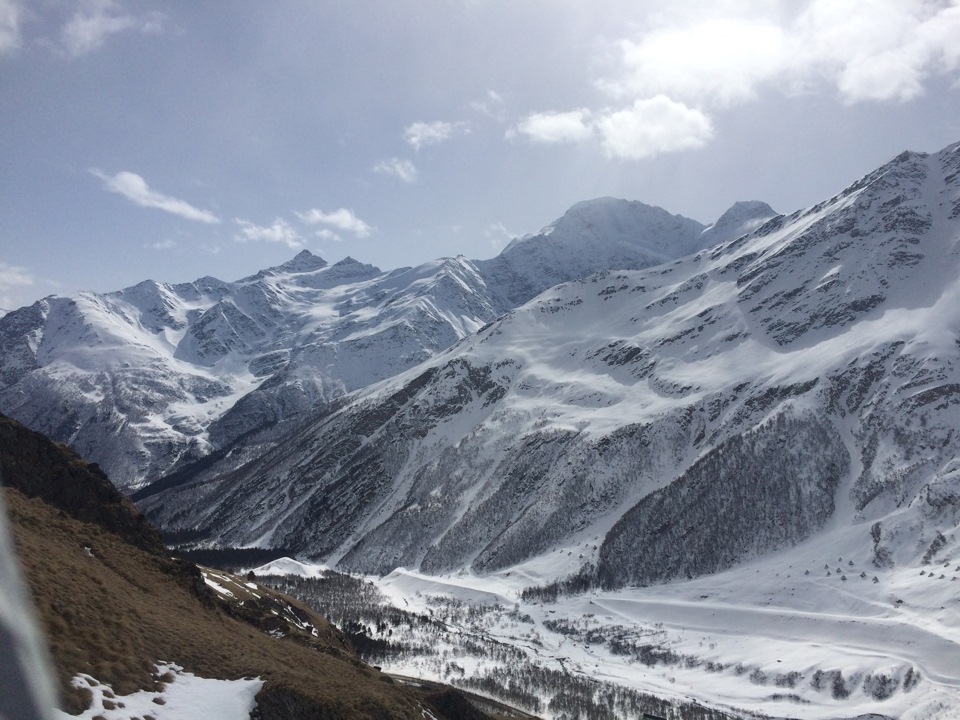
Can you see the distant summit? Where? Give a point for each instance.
(742, 217)
(303, 262)
(600, 234)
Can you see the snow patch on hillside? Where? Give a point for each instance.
(183, 696)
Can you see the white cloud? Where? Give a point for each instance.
(341, 219)
(654, 126)
(939, 36)
(555, 127)
(135, 189)
(328, 234)
(646, 128)
(13, 279)
(881, 50)
(885, 55)
(166, 244)
(89, 27)
(399, 168)
(720, 61)
(10, 16)
(498, 229)
(492, 106)
(882, 77)
(279, 232)
(420, 134)
(498, 235)
(696, 58)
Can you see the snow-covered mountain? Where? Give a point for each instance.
(146, 376)
(601, 234)
(666, 423)
(151, 377)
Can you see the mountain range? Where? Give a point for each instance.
(149, 378)
(795, 379)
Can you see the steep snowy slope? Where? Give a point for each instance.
(153, 376)
(668, 423)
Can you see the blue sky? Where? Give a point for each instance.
(184, 138)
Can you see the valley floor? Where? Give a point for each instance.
(801, 634)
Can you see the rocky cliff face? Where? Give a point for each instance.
(667, 422)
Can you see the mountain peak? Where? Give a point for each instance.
(740, 218)
(605, 233)
(610, 220)
(347, 270)
(605, 210)
(303, 261)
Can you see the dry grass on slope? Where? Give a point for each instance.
(37, 467)
(114, 612)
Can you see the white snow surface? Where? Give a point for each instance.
(751, 638)
(185, 697)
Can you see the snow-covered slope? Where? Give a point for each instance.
(151, 377)
(667, 423)
(736, 470)
(145, 377)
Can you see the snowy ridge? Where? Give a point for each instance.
(146, 377)
(150, 378)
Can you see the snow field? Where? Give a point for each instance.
(777, 636)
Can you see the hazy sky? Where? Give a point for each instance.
(173, 139)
